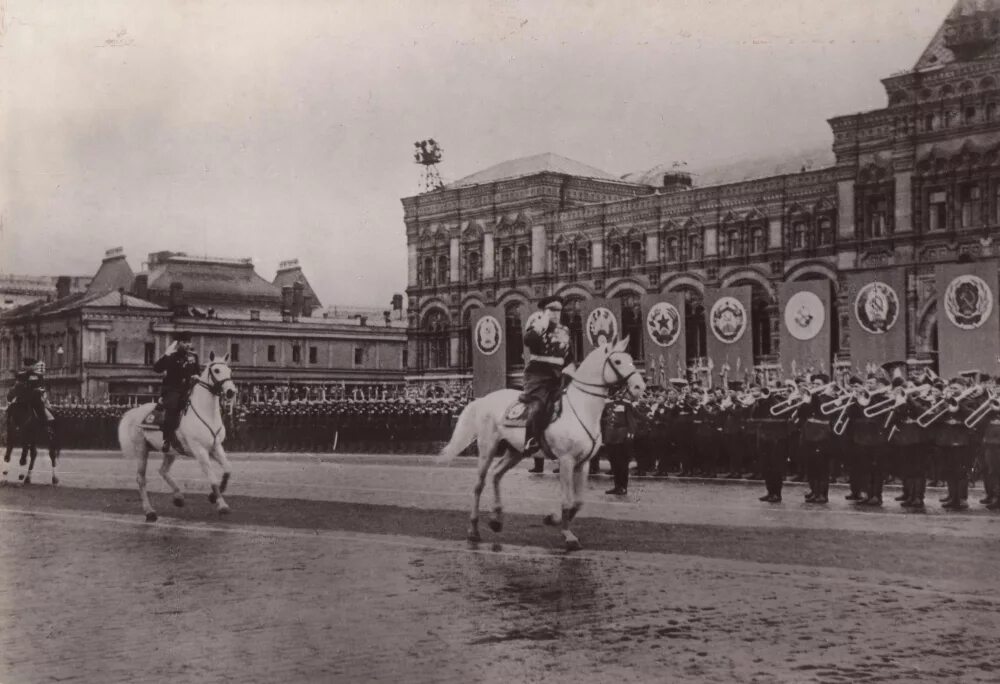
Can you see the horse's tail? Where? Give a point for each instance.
(464, 434)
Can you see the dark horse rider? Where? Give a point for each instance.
(548, 343)
(179, 364)
(29, 390)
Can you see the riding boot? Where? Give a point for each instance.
(539, 466)
(168, 438)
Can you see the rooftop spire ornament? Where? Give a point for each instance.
(428, 155)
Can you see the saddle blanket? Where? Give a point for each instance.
(153, 421)
(516, 414)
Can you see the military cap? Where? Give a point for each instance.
(552, 299)
(819, 377)
(182, 335)
(855, 380)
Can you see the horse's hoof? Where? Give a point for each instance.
(496, 525)
(55, 480)
(573, 545)
(550, 520)
(179, 501)
(224, 483)
(213, 497)
(27, 479)
(151, 516)
(473, 537)
(224, 511)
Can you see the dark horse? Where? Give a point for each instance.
(27, 429)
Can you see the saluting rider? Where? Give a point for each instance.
(179, 364)
(547, 341)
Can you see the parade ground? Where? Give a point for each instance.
(355, 569)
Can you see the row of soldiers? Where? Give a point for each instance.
(873, 429)
(352, 425)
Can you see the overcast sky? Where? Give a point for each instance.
(285, 128)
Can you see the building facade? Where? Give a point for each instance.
(914, 184)
(100, 344)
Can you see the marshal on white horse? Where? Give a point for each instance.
(573, 437)
(201, 432)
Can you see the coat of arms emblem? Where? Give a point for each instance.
(804, 315)
(488, 335)
(968, 302)
(663, 323)
(728, 319)
(602, 327)
(876, 308)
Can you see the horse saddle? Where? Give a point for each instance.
(154, 419)
(516, 415)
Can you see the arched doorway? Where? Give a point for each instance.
(436, 345)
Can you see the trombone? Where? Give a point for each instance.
(832, 406)
(990, 405)
(942, 406)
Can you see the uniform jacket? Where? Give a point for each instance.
(815, 426)
(548, 342)
(26, 384)
(618, 422)
(179, 367)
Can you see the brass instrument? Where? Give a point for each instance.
(830, 407)
(840, 425)
(990, 405)
(865, 397)
(766, 392)
(793, 402)
(943, 405)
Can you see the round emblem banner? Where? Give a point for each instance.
(876, 308)
(968, 302)
(488, 335)
(602, 327)
(663, 323)
(804, 315)
(728, 319)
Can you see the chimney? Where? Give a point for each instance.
(286, 302)
(297, 297)
(121, 298)
(176, 295)
(62, 287)
(140, 287)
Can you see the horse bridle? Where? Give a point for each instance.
(622, 379)
(215, 388)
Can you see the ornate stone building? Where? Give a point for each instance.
(913, 184)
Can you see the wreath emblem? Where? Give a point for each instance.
(728, 319)
(876, 307)
(488, 335)
(968, 301)
(602, 327)
(804, 315)
(663, 323)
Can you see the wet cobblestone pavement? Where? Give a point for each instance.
(351, 572)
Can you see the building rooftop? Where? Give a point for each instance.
(530, 166)
(739, 170)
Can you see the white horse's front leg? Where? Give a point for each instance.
(201, 455)
(168, 462)
(508, 461)
(140, 478)
(572, 499)
(220, 456)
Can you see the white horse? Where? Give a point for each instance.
(201, 432)
(573, 437)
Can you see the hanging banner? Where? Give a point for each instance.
(729, 340)
(877, 316)
(665, 343)
(601, 322)
(804, 311)
(489, 350)
(967, 319)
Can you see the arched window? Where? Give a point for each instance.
(732, 247)
(991, 111)
(515, 337)
(635, 251)
(673, 249)
(583, 259)
(799, 234)
(632, 323)
(615, 257)
(427, 276)
(562, 262)
(474, 269)
(507, 262)
(436, 342)
(824, 231)
(443, 270)
(757, 244)
(523, 260)
(572, 318)
(694, 248)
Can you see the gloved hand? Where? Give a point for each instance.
(172, 348)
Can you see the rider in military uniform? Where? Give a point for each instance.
(29, 389)
(548, 343)
(179, 364)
